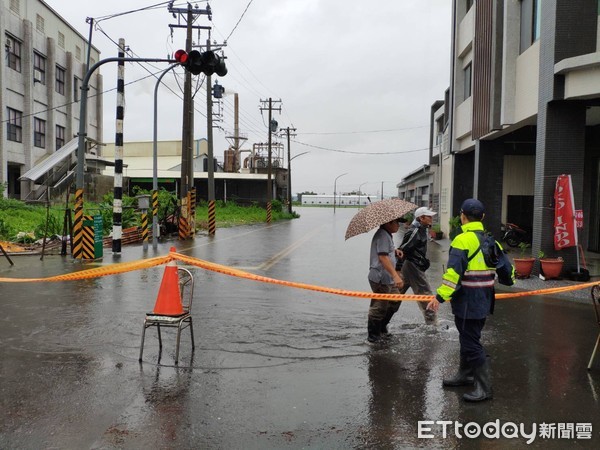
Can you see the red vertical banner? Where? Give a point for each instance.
(565, 232)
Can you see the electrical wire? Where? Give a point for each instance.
(239, 20)
(359, 153)
(365, 131)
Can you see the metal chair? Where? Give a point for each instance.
(181, 321)
(596, 303)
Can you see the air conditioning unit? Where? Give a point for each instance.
(8, 44)
(37, 75)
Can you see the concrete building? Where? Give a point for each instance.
(524, 107)
(244, 188)
(40, 80)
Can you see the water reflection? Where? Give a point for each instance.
(167, 395)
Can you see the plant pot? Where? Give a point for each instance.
(437, 235)
(551, 267)
(523, 267)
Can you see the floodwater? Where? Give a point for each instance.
(275, 366)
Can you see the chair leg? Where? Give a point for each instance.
(192, 333)
(177, 345)
(594, 353)
(142, 344)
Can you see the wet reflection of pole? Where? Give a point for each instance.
(168, 397)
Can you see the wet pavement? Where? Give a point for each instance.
(278, 367)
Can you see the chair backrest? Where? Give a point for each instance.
(186, 288)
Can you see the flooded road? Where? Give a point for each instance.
(274, 366)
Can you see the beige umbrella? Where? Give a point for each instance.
(377, 214)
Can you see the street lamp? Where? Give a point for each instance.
(155, 229)
(289, 183)
(359, 192)
(334, 189)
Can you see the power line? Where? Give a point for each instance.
(360, 153)
(239, 20)
(368, 131)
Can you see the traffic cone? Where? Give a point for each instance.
(168, 302)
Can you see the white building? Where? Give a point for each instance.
(340, 200)
(40, 82)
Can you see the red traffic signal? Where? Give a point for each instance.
(196, 62)
(181, 56)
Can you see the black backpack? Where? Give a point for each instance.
(489, 247)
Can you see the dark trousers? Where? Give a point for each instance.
(469, 331)
(381, 311)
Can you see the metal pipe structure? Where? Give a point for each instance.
(155, 231)
(360, 185)
(334, 189)
(81, 135)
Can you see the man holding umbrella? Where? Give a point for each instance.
(383, 279)
(384, 215)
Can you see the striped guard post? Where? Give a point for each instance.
(212, 222)
(78, 225)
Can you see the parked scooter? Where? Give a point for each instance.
(514, 235)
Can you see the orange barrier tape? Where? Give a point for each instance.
(395, 297)
(114, 269)
(111, 269)
(250, 276)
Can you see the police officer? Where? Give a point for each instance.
(469, 286)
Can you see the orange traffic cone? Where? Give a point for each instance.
(168, 302)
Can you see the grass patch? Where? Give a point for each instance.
(18, 217)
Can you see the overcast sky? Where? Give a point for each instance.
(355, 78)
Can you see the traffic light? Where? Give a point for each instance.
(195, 62)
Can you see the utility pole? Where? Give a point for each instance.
(212, 223)
(272, 126)
(189, 15)
(289, 132)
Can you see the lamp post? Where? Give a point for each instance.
(289, 183)
(334, 189)
(359, 192)
(155, 230)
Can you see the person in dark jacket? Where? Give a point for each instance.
(414, 262)
(469, 286)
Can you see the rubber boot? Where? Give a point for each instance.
(374, 330)
(483, 384)
(464, 377)
(384, 326)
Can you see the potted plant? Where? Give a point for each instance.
(455, 228)
(551, 267)
(436, 231)
(524, 264)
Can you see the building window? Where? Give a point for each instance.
(39, 23)
(13, 53)
(537, 21)
(76, 82)
(39, 68)
(39, 132)
(78, 52)
(467, 84)
(60, 80)
(531, 22)
(60, 137)
(14, 129)
(15, 6)
(61, 40)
